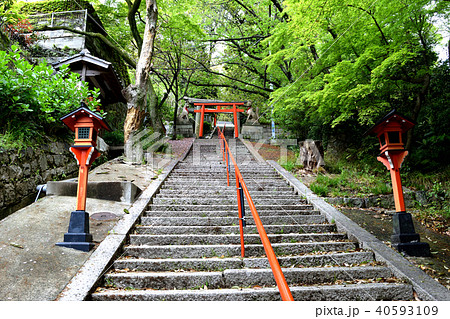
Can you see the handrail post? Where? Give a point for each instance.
(223, 149)
(228, 166)
(241, 213)
(241, 197)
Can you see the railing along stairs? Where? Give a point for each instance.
(242, 190)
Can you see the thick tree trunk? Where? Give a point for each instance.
(136, 100)
(140, 96)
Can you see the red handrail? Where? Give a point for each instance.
(285, 292)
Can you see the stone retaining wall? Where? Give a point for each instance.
(262, 132)
(22, 171)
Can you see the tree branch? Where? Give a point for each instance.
(133, 8)
(247, 8)
(232, 87)
(280, 10)
(238, 39)
(375, 20)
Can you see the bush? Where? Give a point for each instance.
(33, 97)
(113, 138)
(319, 189)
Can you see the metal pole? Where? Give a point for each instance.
(240, 211)
(228, 166)
(241, 198)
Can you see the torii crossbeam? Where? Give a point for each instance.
(219, 109)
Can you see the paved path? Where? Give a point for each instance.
(32, 267)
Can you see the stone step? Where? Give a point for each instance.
(228, 191)
(219, 170)
(225, 213)
(242, 277)
(222, 174)
(230, 239)
(347, 292)
(222, 178)
(215, 264)
(221, 200)
(231, 193)
(223, 221)
(274, 229)
(251, 250)
(154, 207)
(192, 183)
(208, 166)
(222, 168)
(219, 188)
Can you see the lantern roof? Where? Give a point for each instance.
(98, 73)
(390, 119)
(71, 119)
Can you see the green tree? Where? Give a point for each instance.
(353, 61)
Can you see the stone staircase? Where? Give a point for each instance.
(187, 245)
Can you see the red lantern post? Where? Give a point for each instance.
(389, 131)
(86, 125)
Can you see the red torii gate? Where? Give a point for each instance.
(219, 109)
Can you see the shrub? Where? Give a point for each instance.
(319, 189)
(33, 97)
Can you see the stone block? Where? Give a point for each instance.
(114, 191)
(43, 165)
(252, 132)
(186, 130)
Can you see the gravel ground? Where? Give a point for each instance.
(180, 146)
(272, 152)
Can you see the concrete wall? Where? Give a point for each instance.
(22, 170)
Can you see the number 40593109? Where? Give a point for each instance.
(407, 310)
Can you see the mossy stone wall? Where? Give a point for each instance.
(21, 171)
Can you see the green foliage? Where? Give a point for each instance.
(32, 98)
(114, 137)
(113, 15)
(321, 190)
(430, 151)
(350, 183)
(52, 6)
(436, 212)
(353, 61)
(290, 164)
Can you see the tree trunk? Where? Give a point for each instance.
(153, 105)
(139, 94)
(175, 93)
(420, 98)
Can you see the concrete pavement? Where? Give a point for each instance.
(32, 267)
